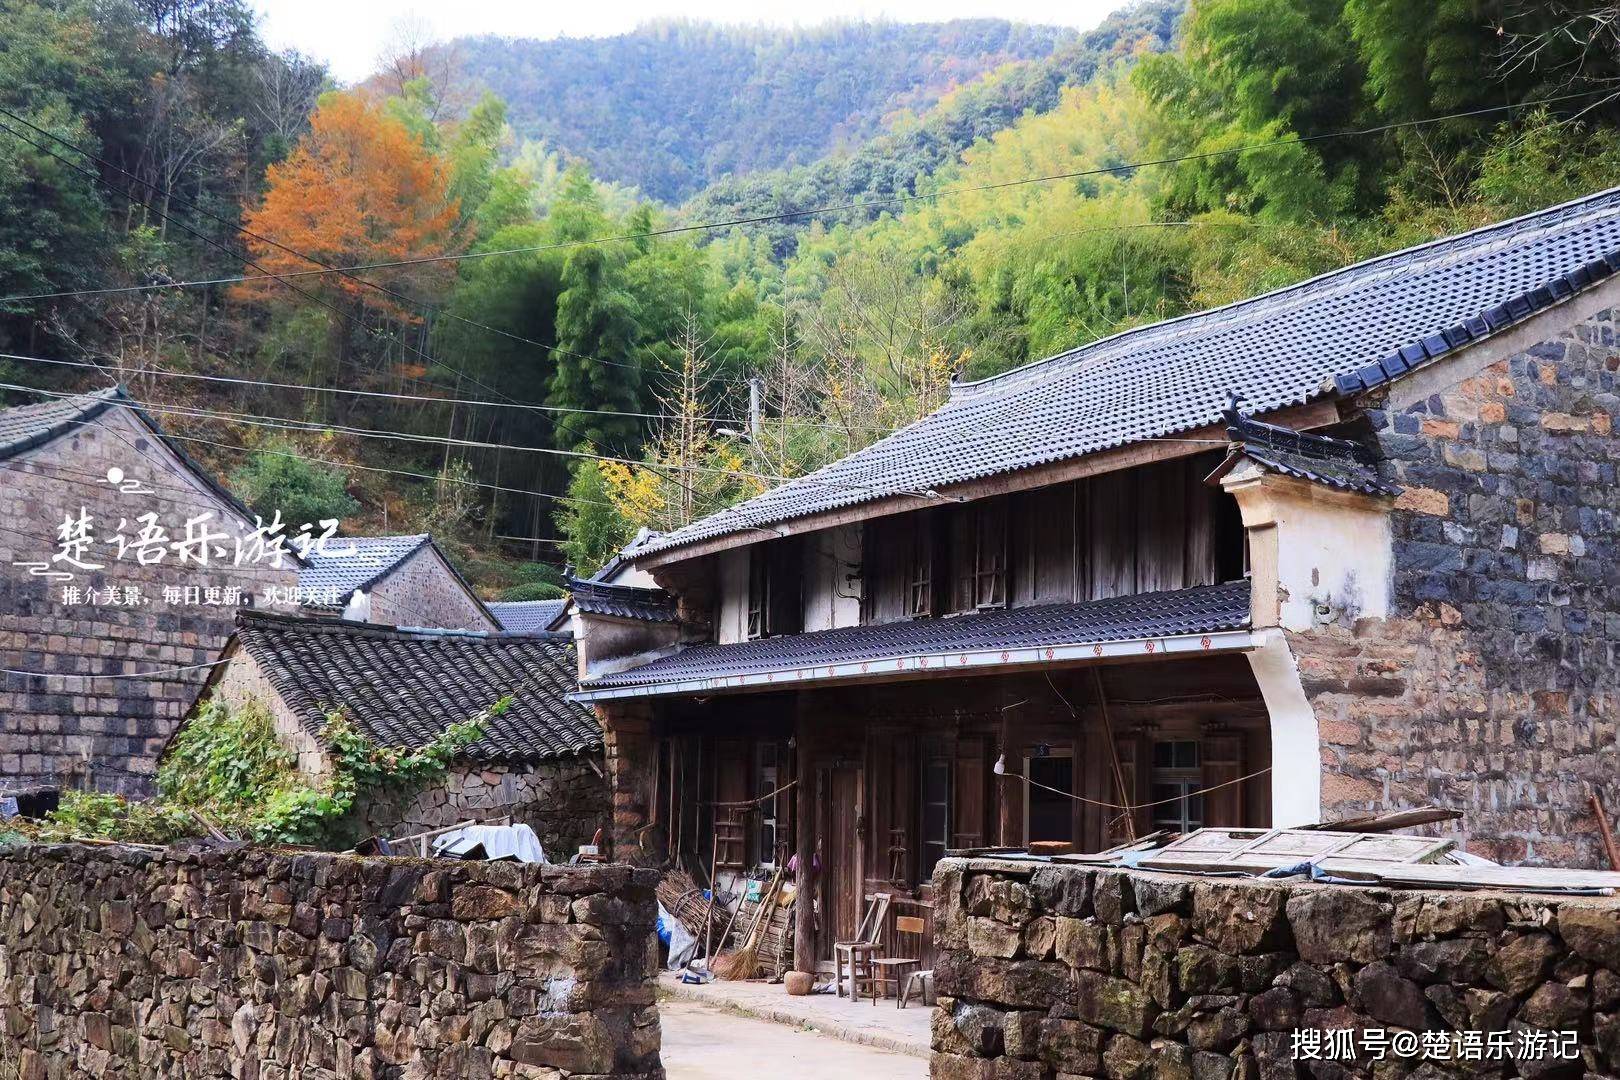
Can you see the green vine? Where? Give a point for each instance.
(227, 770)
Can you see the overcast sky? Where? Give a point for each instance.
(349, 34)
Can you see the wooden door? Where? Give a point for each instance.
(842, 879)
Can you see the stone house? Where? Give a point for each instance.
(80, 625)
(407, 580)
(539, 761)
(1343, 547)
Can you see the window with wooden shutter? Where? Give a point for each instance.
(990, 555)
(1178, 778)
(758, 590)
(920, 565)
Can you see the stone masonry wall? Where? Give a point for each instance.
(564, 801)
(424, 591)
(1047, 971)
(259, 965)
(1493, 687)
(105, 734)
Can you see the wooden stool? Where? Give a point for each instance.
(924, 982)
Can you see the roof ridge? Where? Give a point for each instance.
(1512, 229)
(250, 619)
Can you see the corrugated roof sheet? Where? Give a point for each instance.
(526, 615)
(403, 687)
(1124, 618)
(1343, 332)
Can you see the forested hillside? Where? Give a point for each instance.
(914, 144)
(675, 106)
(385, 304)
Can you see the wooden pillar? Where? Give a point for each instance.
(1008, 792)
(804, 924)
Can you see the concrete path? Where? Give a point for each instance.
(881, 1026)
(704, 1042)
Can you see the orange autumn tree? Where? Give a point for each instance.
(359, 188)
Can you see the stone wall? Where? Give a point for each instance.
(425, 591)
(122, 962)
(1049, 971)
(66, 729)
(1492, 689)
(564, 801)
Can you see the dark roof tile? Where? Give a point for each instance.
(403, 687)
(526, 615)
(1125, 618)
(1277, 350)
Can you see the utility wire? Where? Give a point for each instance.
(339, 312)
(358, 393)
(170, 198)
(283, 424)
(881, 200)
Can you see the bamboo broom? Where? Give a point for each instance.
(744, 963)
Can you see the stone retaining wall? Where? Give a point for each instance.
(1048, 971)
(122, 962)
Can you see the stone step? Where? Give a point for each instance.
(881, 1027)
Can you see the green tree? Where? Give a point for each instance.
(595, 366)
(302, 490)
(592, 529)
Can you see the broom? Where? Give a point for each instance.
(744, 963)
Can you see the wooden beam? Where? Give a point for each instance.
(804, 916)
(1185, 444)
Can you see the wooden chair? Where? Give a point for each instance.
(897, 970)
(857, 954)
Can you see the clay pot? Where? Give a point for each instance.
(798, 983)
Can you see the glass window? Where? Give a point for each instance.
(765, 782)
(935, 788)
(1177, 774)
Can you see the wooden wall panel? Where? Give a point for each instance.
(1111, 535)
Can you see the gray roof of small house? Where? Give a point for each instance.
(374, 558)
(25, 427)
(1205, 609)
(1341, 332)
(402, 687)
(526, 615)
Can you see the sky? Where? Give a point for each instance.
(350, 34)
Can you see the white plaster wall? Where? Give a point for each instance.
(732, 623)
(832, 578)
(1296, 754)
(1333, 562)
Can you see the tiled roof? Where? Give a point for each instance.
(622, 601)
(374, 557)
(1338, 463)
(1339, 332)
(403, 687)
(526, 615)
(23, 427)
(1201, 610)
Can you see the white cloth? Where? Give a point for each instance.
(498, 841)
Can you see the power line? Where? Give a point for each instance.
(881, 200)
(435, 477)
(343, 390)
(283, 424)
(171, 198)
(351, 320)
